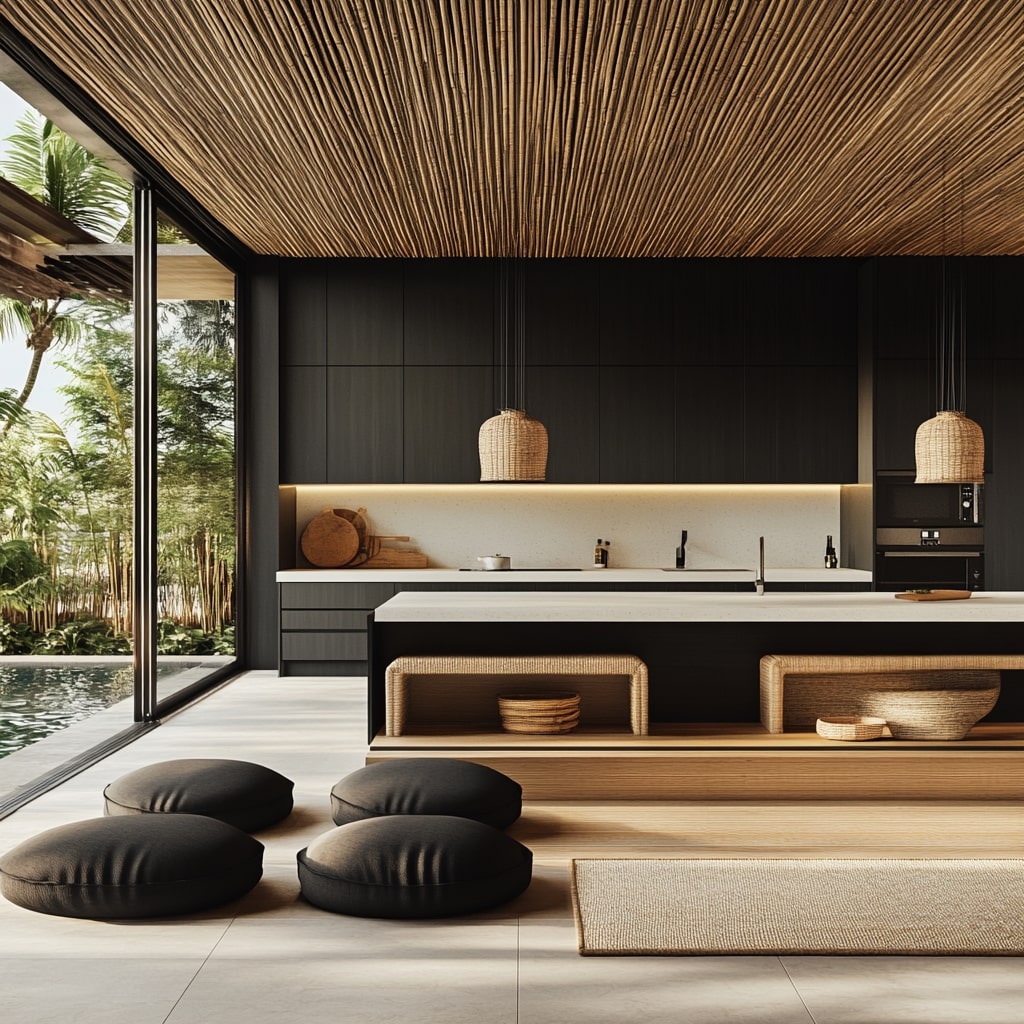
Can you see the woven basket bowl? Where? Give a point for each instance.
(850, 727)
(946, 714)
(539, 713)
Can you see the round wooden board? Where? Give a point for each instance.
(330, 541)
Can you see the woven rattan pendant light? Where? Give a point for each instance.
(950, 448)
(513, 445)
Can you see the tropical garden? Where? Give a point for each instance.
(66, 488)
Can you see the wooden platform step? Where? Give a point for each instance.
(736, 763)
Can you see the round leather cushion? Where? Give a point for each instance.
(413, 865)
(142, 866)
(427, 785)
(245, 795)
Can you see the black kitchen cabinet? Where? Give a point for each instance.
(905, 396)
(1004, 490)
(303, 404)
(710, 441)
(562, 319)
(444, 407)
(303, 312)
(638, 312)
(637, 424)
(449, 312)
(364, 318)
(813, 409)
(566, 400)
(364, 423)
(323, 626)
(643, 371)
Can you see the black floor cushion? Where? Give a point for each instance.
(413, 865)
(427, 785)
(141, 866)
(245, 795)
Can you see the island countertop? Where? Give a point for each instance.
(536, 606)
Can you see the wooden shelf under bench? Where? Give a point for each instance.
(733, 761)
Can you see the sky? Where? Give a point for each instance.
(14, 357)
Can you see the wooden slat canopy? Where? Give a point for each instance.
(570, 127)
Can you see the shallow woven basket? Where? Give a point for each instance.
(945, 714)
(850, 727)
(539, 713)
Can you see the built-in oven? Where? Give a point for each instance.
(934, 557)
(901, 502)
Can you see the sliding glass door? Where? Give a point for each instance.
(119, 464)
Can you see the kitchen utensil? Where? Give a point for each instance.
(495, 563)
(330, 540)
(934, 595)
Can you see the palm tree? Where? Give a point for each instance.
(49, 165)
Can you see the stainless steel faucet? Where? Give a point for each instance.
(759, 581)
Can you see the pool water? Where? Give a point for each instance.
(38, 700)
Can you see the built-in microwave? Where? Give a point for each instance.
(901, 502)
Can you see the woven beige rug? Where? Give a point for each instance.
(833, 907)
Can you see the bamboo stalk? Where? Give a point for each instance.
(566, 128)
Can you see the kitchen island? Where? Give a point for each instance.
(703, 652)
(323, 611)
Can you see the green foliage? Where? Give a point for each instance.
(23, 575)
(173, 638)
(17, 637)
(83, 636)
(59, 172)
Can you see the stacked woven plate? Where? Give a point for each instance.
(539, 713)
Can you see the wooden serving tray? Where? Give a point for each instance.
(936, 595)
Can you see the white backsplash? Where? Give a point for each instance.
(556, 525)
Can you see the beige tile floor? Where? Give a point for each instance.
(271, 957)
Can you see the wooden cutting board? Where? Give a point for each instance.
(936, 595)
(330, 540)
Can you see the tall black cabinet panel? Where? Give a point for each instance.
(814, 407)
(444, 407)
(364, 424)
(1004, 492)
(303, 450)
(364, 319)
(303, 312)
(709, 428)
(565, 399)
(449, 312)
(637, 424)
(562, 321)
(637, 304)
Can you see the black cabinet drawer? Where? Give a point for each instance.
(335, 595)
(324, 618)
(323, 646)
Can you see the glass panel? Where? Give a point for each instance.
(66, 357)
(196, 469)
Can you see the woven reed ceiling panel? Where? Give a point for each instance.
(570, 127)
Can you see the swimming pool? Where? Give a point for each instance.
(38, 700)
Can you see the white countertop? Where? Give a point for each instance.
(569, 575)
(589, 606)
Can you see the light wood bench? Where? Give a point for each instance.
(796, 689)
(461, 691)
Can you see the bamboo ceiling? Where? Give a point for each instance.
(570, 127)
